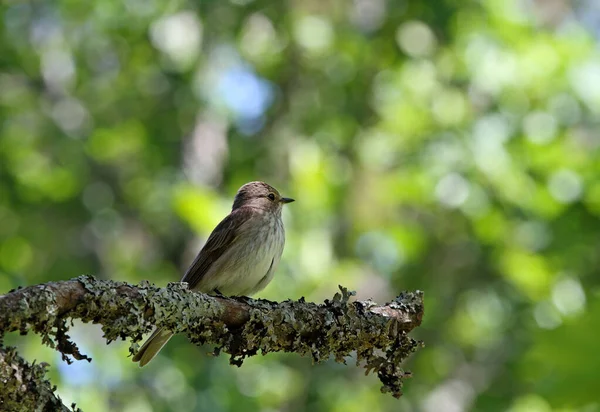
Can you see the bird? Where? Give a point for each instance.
(240, 256)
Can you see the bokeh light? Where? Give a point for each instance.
(446, 146)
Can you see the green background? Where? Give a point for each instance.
(449, 146)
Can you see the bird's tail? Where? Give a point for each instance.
(152, 346)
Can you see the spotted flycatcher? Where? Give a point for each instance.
(240, 255)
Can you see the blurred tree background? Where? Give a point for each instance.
(444, 145)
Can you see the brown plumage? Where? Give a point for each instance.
(240, 255)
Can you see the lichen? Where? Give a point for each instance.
(240, 327)
(24, 386)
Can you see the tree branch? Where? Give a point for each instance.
(241, 326)
(24, 387)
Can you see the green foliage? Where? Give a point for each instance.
(447, 146)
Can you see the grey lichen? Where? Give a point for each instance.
(241, 327)
(24, 386)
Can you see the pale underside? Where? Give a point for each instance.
(250, 261)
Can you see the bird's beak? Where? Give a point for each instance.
(286, 200)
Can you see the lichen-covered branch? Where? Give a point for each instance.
(241, 327)
(23, 385)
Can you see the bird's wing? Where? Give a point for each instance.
(219, 241)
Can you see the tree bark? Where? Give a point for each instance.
(239, 326)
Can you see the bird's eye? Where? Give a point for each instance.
(271, 197)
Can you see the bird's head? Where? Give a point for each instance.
(260, 195)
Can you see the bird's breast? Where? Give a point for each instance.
(250, 263)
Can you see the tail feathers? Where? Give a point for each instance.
(152, 346)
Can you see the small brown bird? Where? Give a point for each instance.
(240, 255)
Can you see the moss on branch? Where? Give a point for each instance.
(241, 327)
(24, 386)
